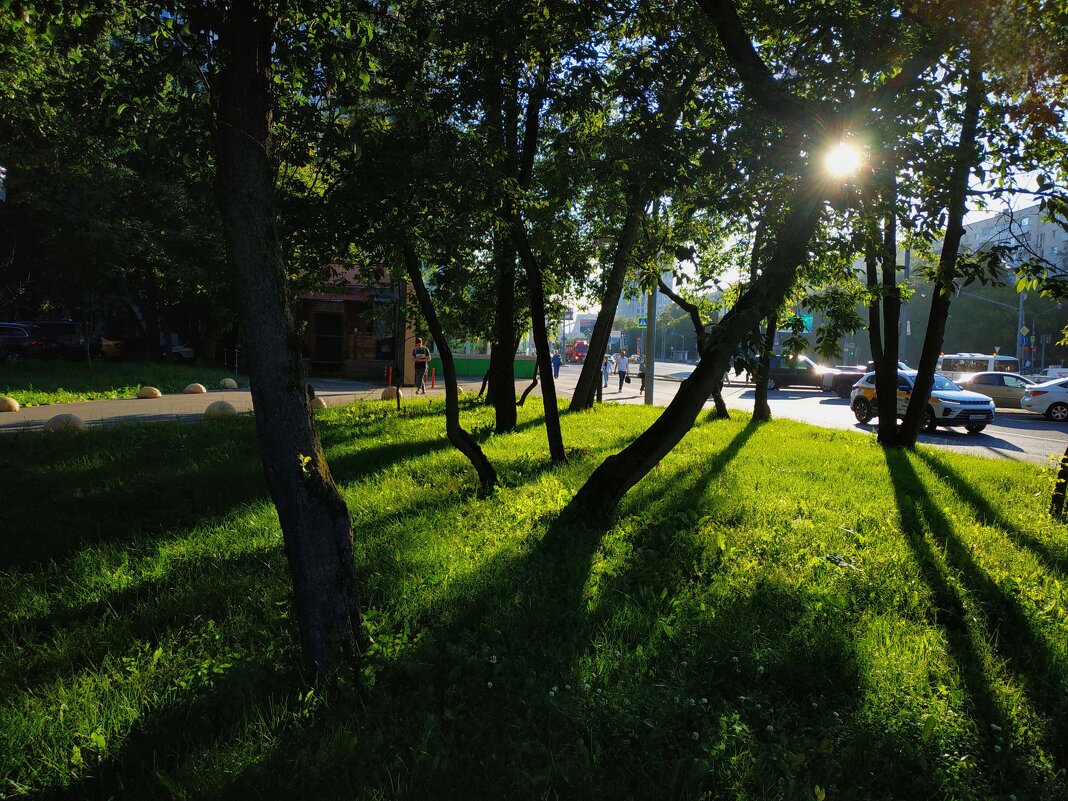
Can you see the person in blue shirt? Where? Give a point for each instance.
(556, 363)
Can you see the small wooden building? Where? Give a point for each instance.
(354, 329)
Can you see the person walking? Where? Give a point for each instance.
(606, 370)
(421, 355)
(556, 362)
(622, 364)
(641, 372)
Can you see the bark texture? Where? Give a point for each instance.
(457, 434)
(590, 377)
(601, 493)
(964, 161)
(315, 522)
(699, 332)
(761, 407)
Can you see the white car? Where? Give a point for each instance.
(1049, 398)
(949, 405)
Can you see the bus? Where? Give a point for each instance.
(575, 351)
(955, 365)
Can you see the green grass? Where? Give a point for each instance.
(778, 612)
(37, 383)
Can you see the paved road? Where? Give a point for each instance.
(1015, 435)
(1018, 435)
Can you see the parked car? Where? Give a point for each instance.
(1050, 374)
(840, 379)
(1049, 398)
(183, 354)
(787, 371)
(949, 405)
(1005, 389)
(21, 341)
(69, 336)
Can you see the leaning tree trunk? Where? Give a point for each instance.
(533, 385)
(1060, 489)
(691, 309)
(604, 489)
(458, 436)
(590, 376)
(761, 407)
(316, 527)
(541, 342)
(964, 160)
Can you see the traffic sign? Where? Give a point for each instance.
(1024, 330)
(643, 322)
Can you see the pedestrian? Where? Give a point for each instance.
(556, 363)
(421, 354)
(606, 370)
(621, 368)
(641, 373)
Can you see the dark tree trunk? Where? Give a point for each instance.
(315, 522)
(761, 407)
(590, 377)
(151, 315)
(541, 342)
(458, 436)
(886, 367)
(964, 160)
(601, 493)
(485, 381)
(1060, 489)
(533, 385)
(699, 332)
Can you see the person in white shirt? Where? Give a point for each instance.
(622, 365)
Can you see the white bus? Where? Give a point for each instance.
(955, 365)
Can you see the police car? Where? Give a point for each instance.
(949, 405)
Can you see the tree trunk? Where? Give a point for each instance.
(886, 375)
(458, 436)
(761, 407)
(964, 160)
(315, 522)
(533, 385)
(601, 493)
(722, 413)
(691, 309)
(590, 376)
(1060, 489)
(541, 342)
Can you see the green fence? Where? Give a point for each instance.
(476, 366)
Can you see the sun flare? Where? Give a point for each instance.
(842, 160)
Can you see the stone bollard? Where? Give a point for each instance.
(8, 404)
(391, 393)
(220, 410)
(147, 393)
(194, 389)
(65, 422)
(318, 403)
(228, 383)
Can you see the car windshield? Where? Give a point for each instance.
(943, 383)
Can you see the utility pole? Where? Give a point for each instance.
(650, 352)
(903, 339)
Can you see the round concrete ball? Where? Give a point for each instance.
(148, 393)
(65, 422)
(8, 404)
(318, 403)
(390, 393)
(194, 389)
(228, 383)
(220, 410)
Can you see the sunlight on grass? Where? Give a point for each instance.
(776, 608)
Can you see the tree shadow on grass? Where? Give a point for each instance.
(1053, 557)
(974, 615)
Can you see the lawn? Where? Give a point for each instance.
(36, 383)
(777, 612)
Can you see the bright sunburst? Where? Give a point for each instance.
(842, 160)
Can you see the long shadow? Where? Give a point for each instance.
(1008, 629)
(1051, 556)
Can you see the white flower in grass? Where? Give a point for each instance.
(760, 669)
(695, 735)
(493, 660)
(771, 728)
(489, 685)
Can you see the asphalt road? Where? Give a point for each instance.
(1018, 435)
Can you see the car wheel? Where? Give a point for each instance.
(773, 383)
(862, 410)
(843, 388)
(1058, 412)
(930, 422)
(974, 429)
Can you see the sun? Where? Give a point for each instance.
(842, 160)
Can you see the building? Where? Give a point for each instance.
(1025, 227)
(355, 326)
